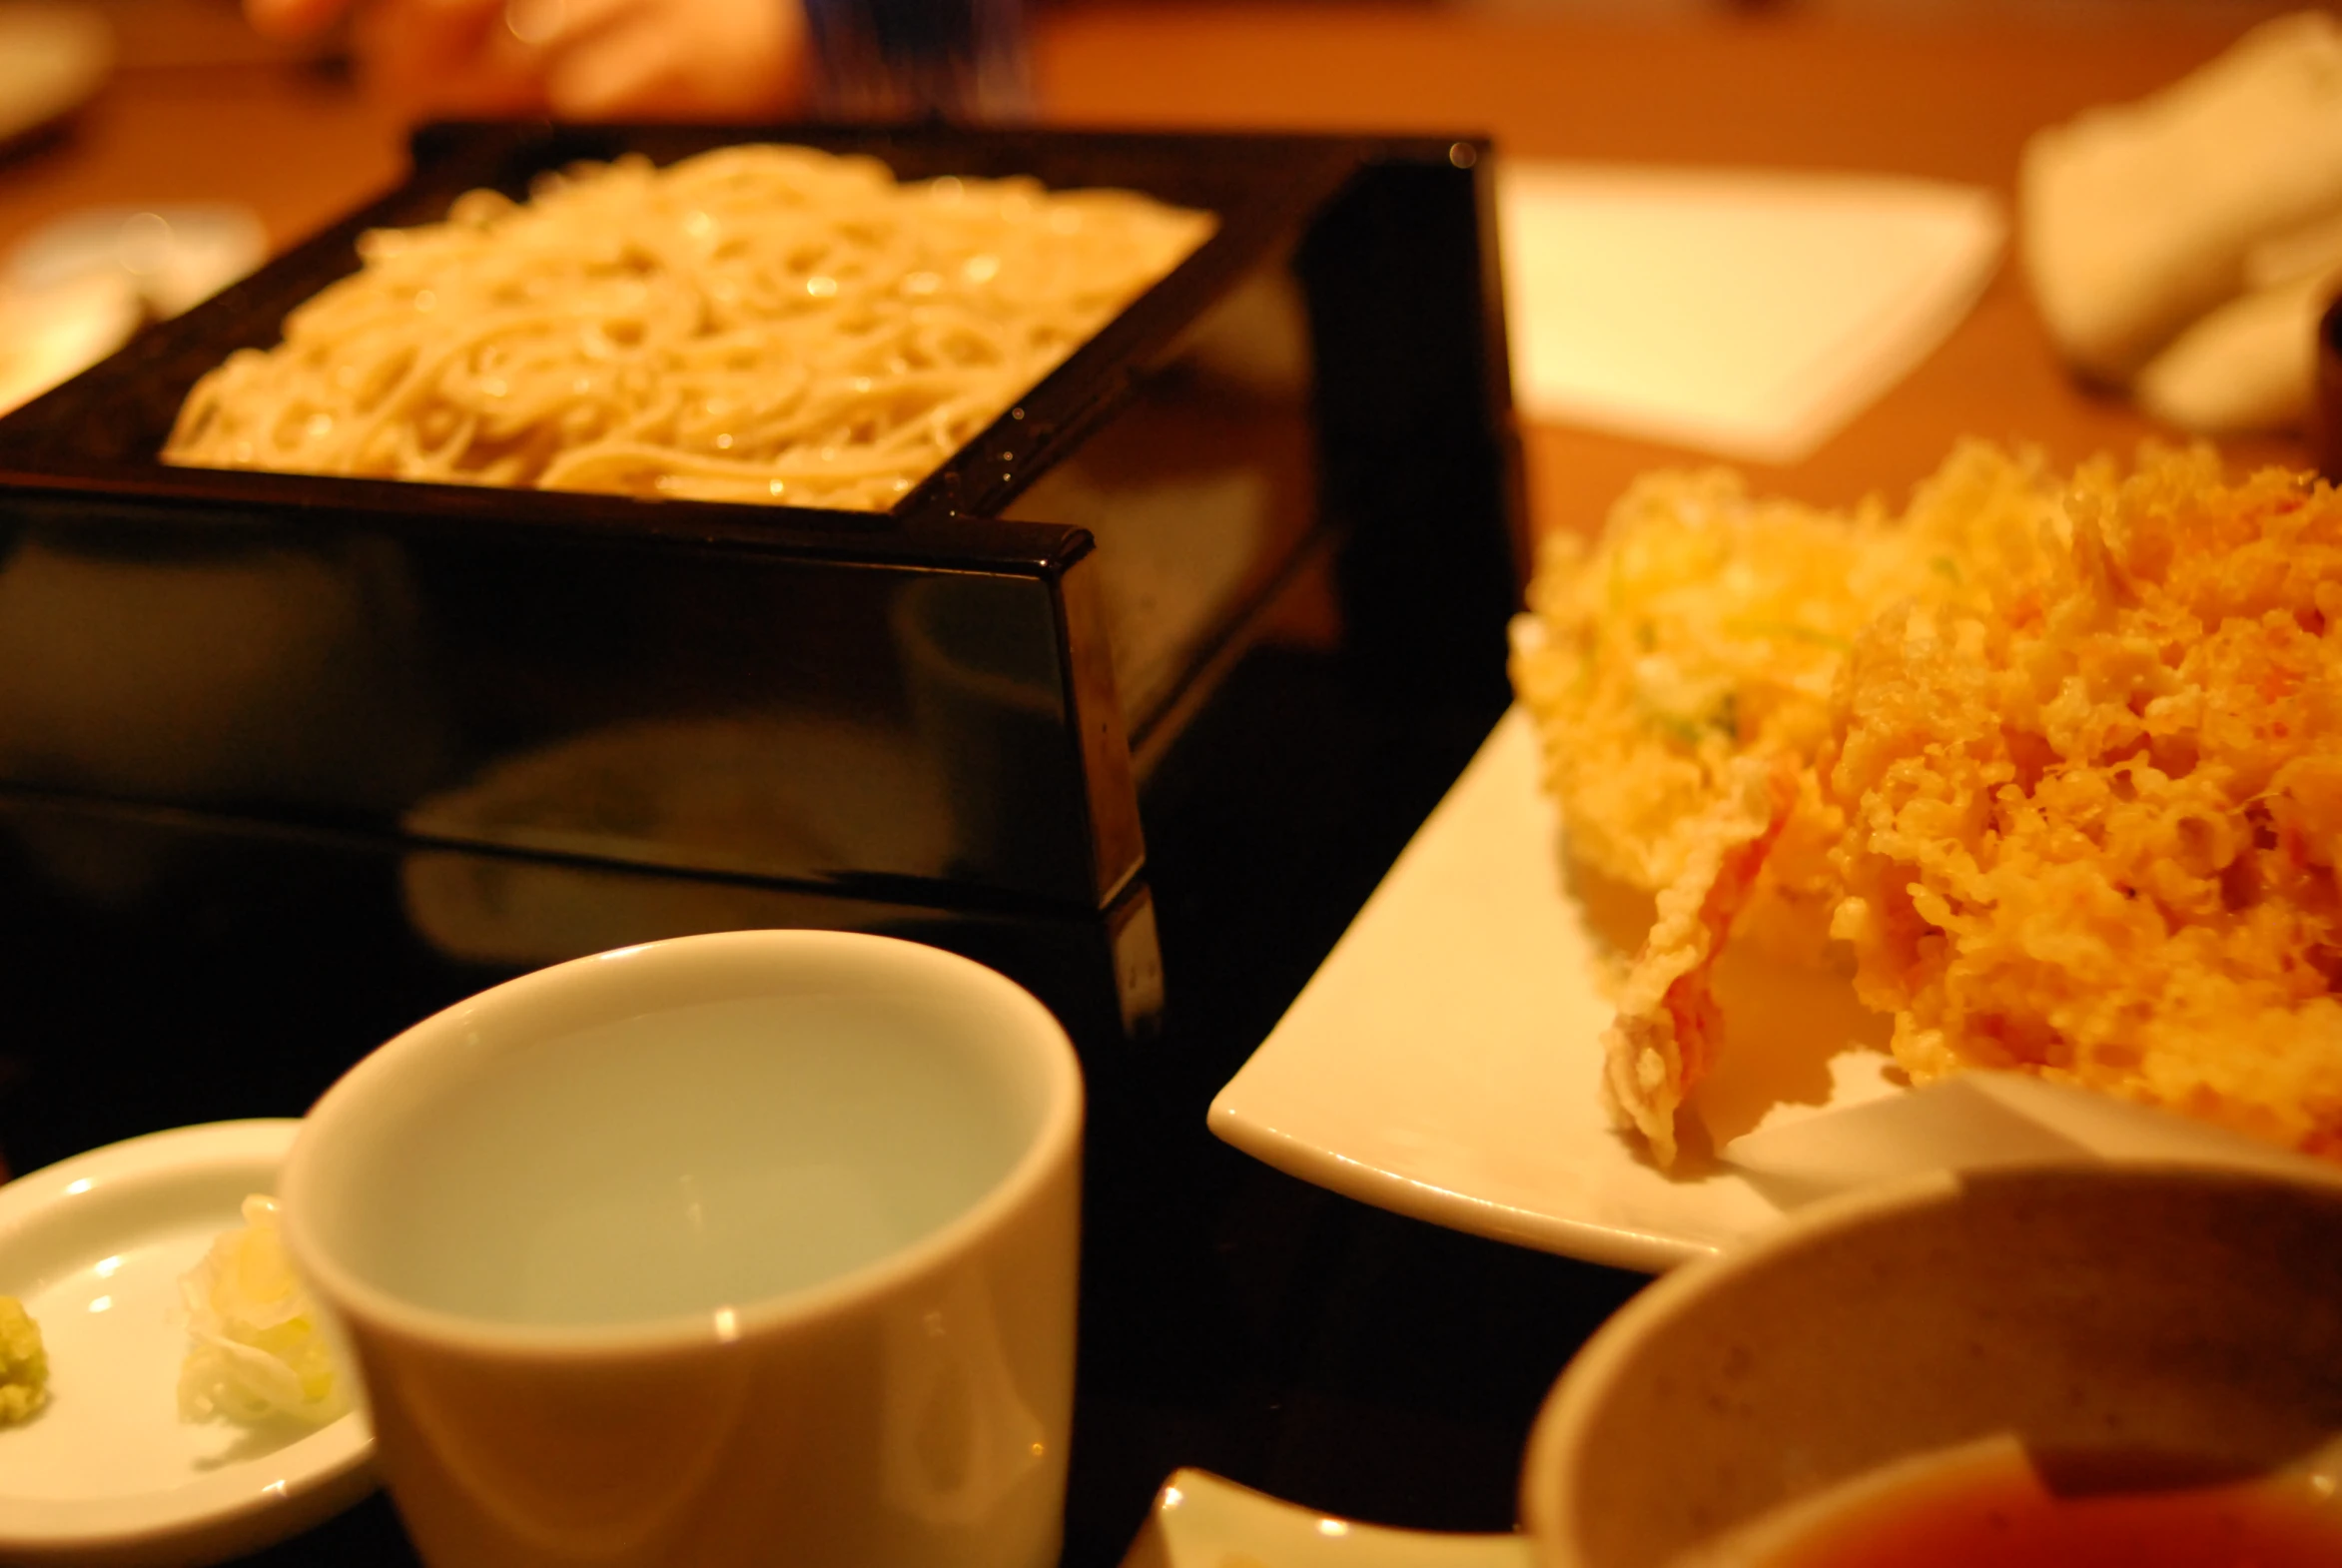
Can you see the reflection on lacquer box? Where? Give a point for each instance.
(1301, 431)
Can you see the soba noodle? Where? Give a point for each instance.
(756, 324)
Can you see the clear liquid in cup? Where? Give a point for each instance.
(675, 1162)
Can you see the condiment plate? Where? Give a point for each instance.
(1202, 1521)
(94, 1246)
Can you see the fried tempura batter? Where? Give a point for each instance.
(1707, 625)
(1669, 1027)
(2095, 820)
(1703, 633)
(2065, 760)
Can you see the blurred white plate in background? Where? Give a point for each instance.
(51, 336)
(177, 255)
(73, 291)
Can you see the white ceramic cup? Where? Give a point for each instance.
(753, 1248)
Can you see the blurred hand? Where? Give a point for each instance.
(573, 59)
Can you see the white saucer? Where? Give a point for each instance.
(94, 1246)
(1202, 1521)
(171, 256)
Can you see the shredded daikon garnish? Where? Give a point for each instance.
(258, 1352)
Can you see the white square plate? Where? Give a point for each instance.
(1443, 1064)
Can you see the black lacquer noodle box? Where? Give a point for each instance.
(526, 726)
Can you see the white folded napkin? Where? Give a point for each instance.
(1747, 313)
(2186, 244)
(1977, 1120)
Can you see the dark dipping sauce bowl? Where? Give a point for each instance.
(2115, 1336)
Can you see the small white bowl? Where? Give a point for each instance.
(106, 1472)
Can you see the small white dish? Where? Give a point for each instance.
(94, 1246)
(1202, 1521)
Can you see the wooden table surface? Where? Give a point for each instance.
(201, 110)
